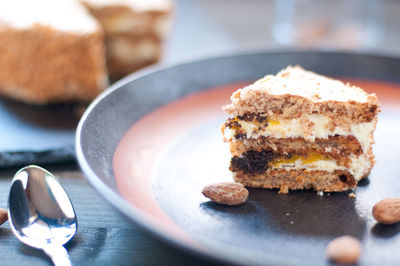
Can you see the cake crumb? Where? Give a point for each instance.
(284, 190)
(352, 195)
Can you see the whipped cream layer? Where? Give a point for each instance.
(358, 167)
(308, 127)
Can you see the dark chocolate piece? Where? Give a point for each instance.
(252, 162)
(232, 123)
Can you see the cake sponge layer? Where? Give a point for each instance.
(309, 127)
(285, 180)
(294, 92)
(334, 146)
(44, 65)
(258, 162)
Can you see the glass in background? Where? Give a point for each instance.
(329, 24)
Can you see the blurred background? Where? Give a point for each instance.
(211, 27)
(41, 82)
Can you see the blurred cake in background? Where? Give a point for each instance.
(134, 29)
(59, 51)
(50, 51)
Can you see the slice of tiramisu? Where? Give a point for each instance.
(135, 31)
(301, 130)
(50, 51)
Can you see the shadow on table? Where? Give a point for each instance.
(61, 116)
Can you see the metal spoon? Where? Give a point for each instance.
(41, 213)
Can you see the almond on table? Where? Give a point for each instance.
(3, 216)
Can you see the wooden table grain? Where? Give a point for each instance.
(104, 236)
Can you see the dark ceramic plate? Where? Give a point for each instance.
(152, 141)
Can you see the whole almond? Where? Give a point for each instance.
(344, 249)
(3, 216)
(387, 211)
(226, 193)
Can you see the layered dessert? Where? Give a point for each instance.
(50, 51)
(301, 130)
(135, 31)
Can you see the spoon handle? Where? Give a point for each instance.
(58, 255)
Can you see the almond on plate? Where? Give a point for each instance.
(226, 193)
(344, 249)
(387, 211)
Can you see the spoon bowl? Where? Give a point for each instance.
(41, 213)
